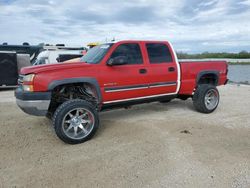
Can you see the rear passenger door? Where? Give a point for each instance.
(162, 69)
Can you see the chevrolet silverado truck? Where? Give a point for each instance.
(111, 75)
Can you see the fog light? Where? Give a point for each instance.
(28, 87)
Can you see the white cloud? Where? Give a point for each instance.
(192, 25)
(245, 2)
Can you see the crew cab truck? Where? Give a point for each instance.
(113, 75)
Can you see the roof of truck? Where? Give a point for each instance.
(132, 40)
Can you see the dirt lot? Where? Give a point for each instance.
(145, 146)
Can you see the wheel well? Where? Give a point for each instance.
(65, 92)
(208, 78)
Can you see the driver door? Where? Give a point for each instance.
(127, 81)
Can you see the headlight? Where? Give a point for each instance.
(28, 82)
(28, 78)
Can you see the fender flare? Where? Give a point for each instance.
(202, 73)
(91, 81)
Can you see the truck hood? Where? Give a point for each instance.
(52, 67)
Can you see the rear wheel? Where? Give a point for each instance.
(206, 98)
(75, 121)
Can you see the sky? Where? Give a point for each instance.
(192, 26)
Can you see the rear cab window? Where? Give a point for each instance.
(131, 50)
(158, 53)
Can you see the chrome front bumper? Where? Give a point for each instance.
(34, 107)
(33, 103)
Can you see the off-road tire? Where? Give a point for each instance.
(200, 95)
(66, 107)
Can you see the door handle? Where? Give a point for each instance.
(171, 69)
(143, 71)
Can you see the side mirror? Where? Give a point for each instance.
(119, 60)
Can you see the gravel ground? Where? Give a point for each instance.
(149, 145)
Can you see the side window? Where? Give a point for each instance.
(131, 51)
(158, 53)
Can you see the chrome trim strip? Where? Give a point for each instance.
(128, 89)
(145, 86)
(178, 69)
(162, 85)
(151, 96)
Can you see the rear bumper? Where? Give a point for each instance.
(33, 103)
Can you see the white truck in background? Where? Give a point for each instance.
(57, 54)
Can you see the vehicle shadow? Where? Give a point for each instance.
(111, 118)
(142, 109)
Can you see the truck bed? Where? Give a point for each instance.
(190, 71)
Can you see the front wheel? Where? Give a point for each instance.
(206, 98)
(75, 121)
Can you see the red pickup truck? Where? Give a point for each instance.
(113, 75)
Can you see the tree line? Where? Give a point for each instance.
(240, 55)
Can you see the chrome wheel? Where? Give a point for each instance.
(211, 99)
(78, 123)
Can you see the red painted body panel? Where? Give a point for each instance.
(128, 75)
(190, 71)
(159, 72)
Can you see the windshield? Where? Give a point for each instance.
(41, 58)
(40, 61)
(95, 55)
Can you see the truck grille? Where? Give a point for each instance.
(20, 79)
